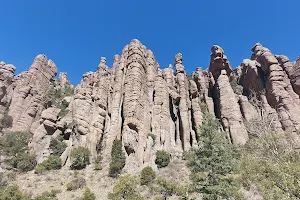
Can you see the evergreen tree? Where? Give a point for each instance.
(118, 159)
(213, 163)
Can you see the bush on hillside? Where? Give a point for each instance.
(167, 189)
(80, 158)
(88, 195)
(126, 188)
(47, 195)
(97, 163)
(52, 163)
(117, 159)
(14, 143)
(14, 146)
(57, 146)
(24, 162)
(147, 175)
(213, 164)
(77, 183)
(13, 193)
(54, 95)
(162, 158)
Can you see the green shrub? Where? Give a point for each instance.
(14, 146)
(39, 169)
(117, 159)
(213, 164)
(57, 146)
(13, 193)
(14, 143)
(168, 189)
(162, 158)
(97, 166)
(54, 95)
(80, 158)
(69, 186)
(68, 91)
(63, 109)
(47, 195)
(88, 195)
(77, 183)
(115, 169)
(23, 162)
(147, 175)
(97, 163)
(52, 163)
(126, 188)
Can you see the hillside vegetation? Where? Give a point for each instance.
(217, 170)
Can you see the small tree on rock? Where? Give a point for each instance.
(80, 158)
(126, 188)
(57, 146)
(147, 175)
(117, 159)
(162, 158)
(14, 146)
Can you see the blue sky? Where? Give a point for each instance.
(75, 34)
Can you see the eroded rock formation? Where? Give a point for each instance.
(28, 90)
(149, 108)
(6, 79)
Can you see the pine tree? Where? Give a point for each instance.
(213, 163)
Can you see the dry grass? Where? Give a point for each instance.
(97, 181)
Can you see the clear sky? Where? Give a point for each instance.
(75, 34)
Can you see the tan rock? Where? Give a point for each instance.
(196, 109)
(6, 79)
(63, 79)
(249, 111)
(218, 62)
(203, 81)
(278, 89)
(226, 102)
(119, 72)
(184, 107)
(28, 90)
(293, 70)
(135, 105)
(231, 116)
(50, 114)
(161, 115)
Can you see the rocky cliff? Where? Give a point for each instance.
(146, 107)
